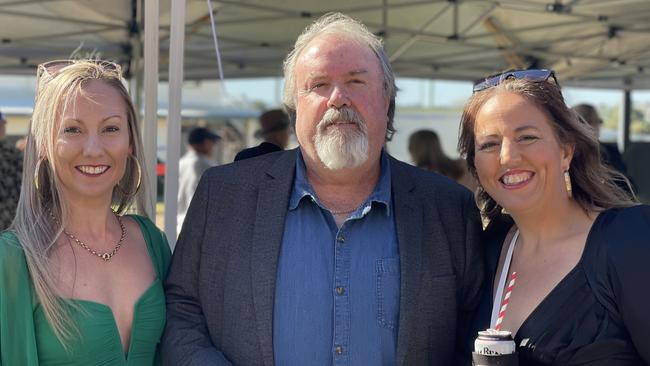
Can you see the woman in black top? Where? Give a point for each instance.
(578, 243)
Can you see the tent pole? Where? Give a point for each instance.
(176, 51)
(149, 132)
(626, 118)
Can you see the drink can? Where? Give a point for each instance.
(493, 342)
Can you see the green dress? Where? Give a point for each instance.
(26, 338)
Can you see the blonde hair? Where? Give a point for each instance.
(41, 196)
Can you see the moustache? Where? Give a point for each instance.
(345, 114)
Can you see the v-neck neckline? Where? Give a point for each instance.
(136, 304)
(134, 319)
(533, 315)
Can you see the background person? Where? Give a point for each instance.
(609, 154)
(274, 129)
(333, 253)
(80, 282)
(11, 167)
(198, 158)
(576, 241)
(21, 143)
(426, 153)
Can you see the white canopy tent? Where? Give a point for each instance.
(594, 43)
(598, 43)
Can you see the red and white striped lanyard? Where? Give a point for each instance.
(497, 304)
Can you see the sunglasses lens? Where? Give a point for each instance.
(55, 66)
(488, 83)
(539, 75)
(52, 67)
(533, 74)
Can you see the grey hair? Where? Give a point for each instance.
(36, 229)
(345, 26)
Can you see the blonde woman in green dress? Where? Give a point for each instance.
(80, 281)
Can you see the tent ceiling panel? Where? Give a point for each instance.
(97, 10)
(588, 42)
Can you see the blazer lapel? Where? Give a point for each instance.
(272, 203)
(408, 221)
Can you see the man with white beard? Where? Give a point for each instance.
(334, 253)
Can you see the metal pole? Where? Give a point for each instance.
(150, 125)
(137, 57)
(455, 20)
(176, 51)
(626, 118)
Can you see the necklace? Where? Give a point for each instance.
(104, 256)
(345, 212)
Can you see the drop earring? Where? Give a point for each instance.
(567, 183)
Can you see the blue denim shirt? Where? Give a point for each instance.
(337, 290)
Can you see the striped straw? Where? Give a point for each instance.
(506, 299)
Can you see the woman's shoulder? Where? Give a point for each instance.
(494, 236)
(623, 228)
(12, 256)
(10, 248)
(144, 222)
(498, 228)
(618, 262)
(156, 240)
(618, 244)
(151, 233)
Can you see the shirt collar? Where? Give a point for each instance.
(381, 193)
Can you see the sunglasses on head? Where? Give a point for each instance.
(531, 74)
(51, 68)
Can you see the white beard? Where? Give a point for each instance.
(344, 147)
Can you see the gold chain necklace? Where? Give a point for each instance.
(104, 256)
(345, 212)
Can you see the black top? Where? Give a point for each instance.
(599, 314)
(261, 149)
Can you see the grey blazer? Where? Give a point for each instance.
(221, 285)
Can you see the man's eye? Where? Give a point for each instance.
(316, 86)
(528, 138)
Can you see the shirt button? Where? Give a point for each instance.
(338, 350)
(340, 239)
(340, 290)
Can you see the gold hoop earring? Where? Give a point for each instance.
(137, 187)
(37, 170)
(567, 183)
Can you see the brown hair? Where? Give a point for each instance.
(589, 113)
(426, 151)
(594, 184)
